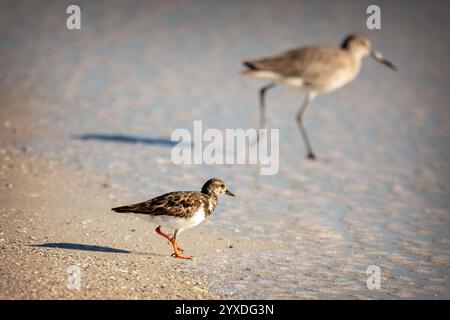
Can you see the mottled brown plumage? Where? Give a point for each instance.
(182, 204)
(180, 209)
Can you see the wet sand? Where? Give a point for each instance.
(86, 118)
(54, 216)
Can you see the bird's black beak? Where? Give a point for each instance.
(229, 193)
(379, 57)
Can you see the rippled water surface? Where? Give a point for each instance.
(108, 97)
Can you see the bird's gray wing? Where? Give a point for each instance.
(305, 62)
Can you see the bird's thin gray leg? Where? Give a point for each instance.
(262, 108)
(262, 105)
(308, 98)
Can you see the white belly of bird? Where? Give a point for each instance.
(275, 77)
(178, 222)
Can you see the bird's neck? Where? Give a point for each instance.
(357, 57)
(357, 54)
(213, 199)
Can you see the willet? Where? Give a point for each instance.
(315, 69)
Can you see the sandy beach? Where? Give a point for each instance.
(45, 230)
(86, 118)
(55, 215)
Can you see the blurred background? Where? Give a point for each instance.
(106, 98)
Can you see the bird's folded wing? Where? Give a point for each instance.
(176, 204)
(306, 62)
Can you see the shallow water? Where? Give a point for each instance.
(379, 194)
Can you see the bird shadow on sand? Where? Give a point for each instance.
(87, 247)
(130, 139)
(82, 247)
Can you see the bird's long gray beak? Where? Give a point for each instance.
(229, 193)
(379, 57)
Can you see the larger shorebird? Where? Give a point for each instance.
(314, 69)
(180, 210)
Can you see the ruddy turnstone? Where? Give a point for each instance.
(315, 69)
(179, 210)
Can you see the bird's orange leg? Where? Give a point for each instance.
(178, 246)
(175, 253)
(169, 238)
(158, 231)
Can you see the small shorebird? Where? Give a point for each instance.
(180, 210)
(314, 69)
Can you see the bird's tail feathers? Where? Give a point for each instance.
(250, 65)
(122, 209)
